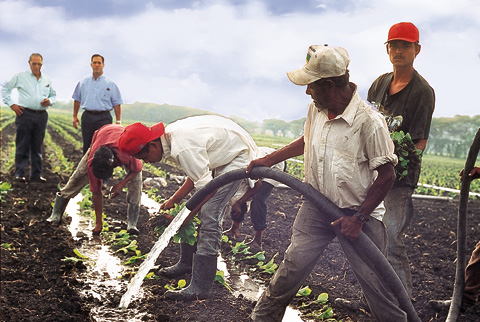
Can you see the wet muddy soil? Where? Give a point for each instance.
(36, 285)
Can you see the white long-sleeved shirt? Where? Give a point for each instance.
(207, 146)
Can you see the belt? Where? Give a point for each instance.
(97, 112)
(35, 111)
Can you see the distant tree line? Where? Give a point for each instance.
(452, 136)
(449, 136)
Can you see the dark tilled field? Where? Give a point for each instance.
(36, 285)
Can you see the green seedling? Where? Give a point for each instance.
(269, 267)
(130, 247)
(259, 256)
(323, 315)
(120, 239)
(133, 259)
(187, 232)
(156, 171)
(150, 276)
(80, 257)
(181, 284)
(321, 299)
(304, 291)
(241, 248)
(7, 246)
(326, 312)
(220, 277)
(4, 188)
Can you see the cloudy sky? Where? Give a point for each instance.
(231, 57)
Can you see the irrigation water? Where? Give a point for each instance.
(101, 280)
(152, 256)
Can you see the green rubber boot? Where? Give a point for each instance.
(58, 209)
(132, 217)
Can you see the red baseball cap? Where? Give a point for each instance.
(137, 135)
(403, 31)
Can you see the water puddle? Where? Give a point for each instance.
(250, 289)
(101, 280)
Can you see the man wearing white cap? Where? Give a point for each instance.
(349, 159)
(406, 96)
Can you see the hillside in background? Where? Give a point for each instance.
(449, 136)
(152, 113)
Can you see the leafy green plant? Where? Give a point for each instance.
(220, 278)
(187, 232)
(130, 247)
(304, 291)
(269, 267)
(79, 257)
(134, 258)
(4, 188)
(155, 170)
(241, 248)
(406, 152)
(180, 284)
(325, 312)
(118, 239)
(7, 246)
(150, 276)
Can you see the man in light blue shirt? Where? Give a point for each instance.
(35, 95)
(97, 95)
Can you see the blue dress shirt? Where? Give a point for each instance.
(100, 94)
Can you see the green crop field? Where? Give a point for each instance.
(436, 171)
(442, 172)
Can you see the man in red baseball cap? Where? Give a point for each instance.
(96, 166)
(405, 97)
(205, 147)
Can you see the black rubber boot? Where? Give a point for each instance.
(132, 218)
(184, 264)
(204, 271)
(58, 209)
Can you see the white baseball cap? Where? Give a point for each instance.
(323, 61)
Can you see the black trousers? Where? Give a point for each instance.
(92, 121)
(30, 132)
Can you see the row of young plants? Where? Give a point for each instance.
(436, 171)
(126, 247)
(442, 172)
(65, 132)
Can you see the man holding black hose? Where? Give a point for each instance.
(349, 158)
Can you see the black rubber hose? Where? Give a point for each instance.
(363, 245)
(462, 231)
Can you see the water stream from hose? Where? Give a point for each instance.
(152, 256)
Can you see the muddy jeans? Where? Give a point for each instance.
(398, 215)
(472, 279)
(79, 180)
(211, 215)
(311, 234)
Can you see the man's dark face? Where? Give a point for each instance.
(318, 91)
